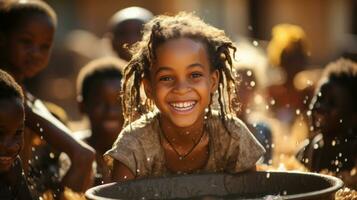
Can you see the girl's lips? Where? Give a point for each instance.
(6, 160)
(183, 107)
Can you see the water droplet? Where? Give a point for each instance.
(52, 155)
(336, 162)
(249, 73)
(205, 117)
(255, 43)
(272, 102)
(340, 121)
(333, 143)
(252, 83)
(268, 175)
(297, 111)
(308, 113)
(340, 154)
(206, 110)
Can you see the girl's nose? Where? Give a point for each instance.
(182, 87)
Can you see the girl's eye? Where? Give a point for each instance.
(165, 78)
(196, 75)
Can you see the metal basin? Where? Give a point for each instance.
(250, 185)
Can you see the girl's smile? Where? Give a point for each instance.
(181, 81)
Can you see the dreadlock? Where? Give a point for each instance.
(161, 29)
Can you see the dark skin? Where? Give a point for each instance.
(11, 142)
(181, 74)
(333, 115)
(105, 115)
(26, 51)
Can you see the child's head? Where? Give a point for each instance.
(334, 109)
(26, 34)
(182, 61)
(126, 27)
(288, 48)
(11, 120)
(98, 87)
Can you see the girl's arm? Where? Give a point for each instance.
(121, 172)
(78, 178)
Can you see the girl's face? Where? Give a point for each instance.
(27, 48)
(332, 109)
(181, 82)
(11, 131)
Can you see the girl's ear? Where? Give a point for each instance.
(214, 81)
(147, 88)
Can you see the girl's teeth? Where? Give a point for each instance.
(3, 158)
(183, 106)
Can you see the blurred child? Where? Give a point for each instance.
(181, 62)
(13, 184)
(254, 119)
(334, 118)
(288, 55)
(27, 30)
(126, 27)
(98, 87)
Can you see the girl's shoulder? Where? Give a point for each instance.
(144, 127)
(231, 125)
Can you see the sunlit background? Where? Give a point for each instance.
(330, 27)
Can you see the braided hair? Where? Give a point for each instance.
(161, 29)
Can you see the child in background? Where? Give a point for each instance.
(98, 86)
(125, 28)
(12, 116)
(181, 62)
(26, 30)
(334, 119)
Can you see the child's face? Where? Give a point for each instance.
(332, 109)
(28, 46)
(104, 110)
(181, 82)
(11, 131)
(127, 32)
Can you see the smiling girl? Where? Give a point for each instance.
(181, 62)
